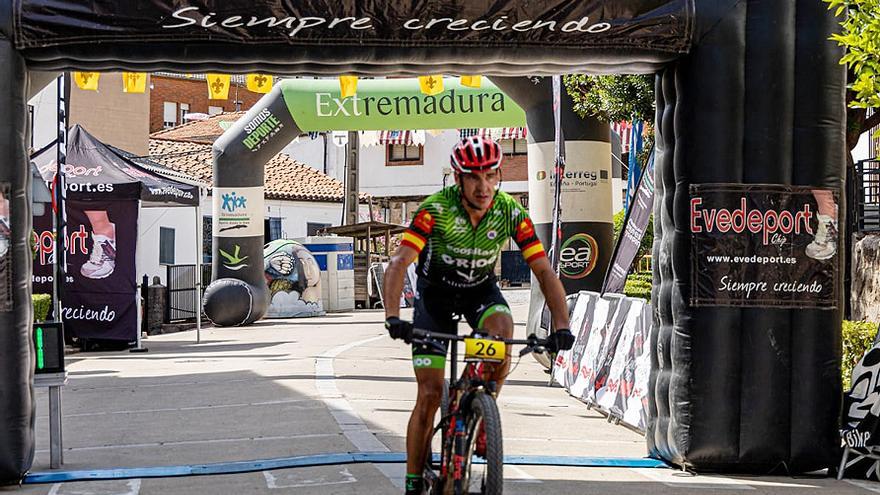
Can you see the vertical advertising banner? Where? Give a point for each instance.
(630, 241)
(100, 288)
(764, 246)
(5, 250)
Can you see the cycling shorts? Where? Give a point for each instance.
(435, 309)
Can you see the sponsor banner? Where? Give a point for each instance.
(633, 231)
(610, 364)
(584, 254)
(861, 422)
(624, 392)
(5, 249)
(567, 362)
(586, 182)
(764, 246)
(238, 211)
(100, 288)
(317, 105)
(260, 129)
(662, 25)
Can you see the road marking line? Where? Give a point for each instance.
(865, 485)
(272, 481)
(521, 476)
(134, 488)
(673, 478)
(351, 423)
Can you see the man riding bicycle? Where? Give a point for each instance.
(457, 235)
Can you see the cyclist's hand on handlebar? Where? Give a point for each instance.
(560, 340)
(399, 329)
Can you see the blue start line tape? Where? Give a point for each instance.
(317, 460)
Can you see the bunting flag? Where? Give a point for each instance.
(431, 85)
(86, 80)
(395, 137)
(624, 131)
(218, 86)
(472, 81)
(134, 82)
(348, 85)
(495, 133)
(259, 83)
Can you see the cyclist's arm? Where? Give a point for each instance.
(392, 282)
(553, 291)
(533, 251)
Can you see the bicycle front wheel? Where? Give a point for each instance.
(484, 413)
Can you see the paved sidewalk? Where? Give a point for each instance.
(335, 384)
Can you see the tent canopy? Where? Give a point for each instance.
(96, 171)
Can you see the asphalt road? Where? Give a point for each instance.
(334, 384)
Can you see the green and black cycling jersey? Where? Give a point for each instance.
(455, 254)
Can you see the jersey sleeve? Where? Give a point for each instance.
(416, 235)
(525, 236)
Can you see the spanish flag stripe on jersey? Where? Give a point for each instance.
(533, 251)
(413, 240)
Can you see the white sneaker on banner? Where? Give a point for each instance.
(824, 244)
(102, 261)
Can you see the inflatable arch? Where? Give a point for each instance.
(748, 91)
(238, 295)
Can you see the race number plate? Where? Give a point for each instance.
(484, 350)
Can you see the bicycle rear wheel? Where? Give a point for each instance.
(484, 411)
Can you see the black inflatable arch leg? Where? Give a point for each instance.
(16, 355)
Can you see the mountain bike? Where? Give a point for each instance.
(467, 406)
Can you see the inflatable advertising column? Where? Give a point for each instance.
(587, 229)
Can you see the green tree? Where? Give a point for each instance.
(860, 34)
(614, 99)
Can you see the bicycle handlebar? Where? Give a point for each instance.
(532, 342)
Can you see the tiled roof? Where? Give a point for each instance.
(285, 178)
(200, 131)
(187, 149)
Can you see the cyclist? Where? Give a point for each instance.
(457, 235)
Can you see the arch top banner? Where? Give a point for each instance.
(317, 105)
(655, 25)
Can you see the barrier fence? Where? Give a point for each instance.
(609, 365)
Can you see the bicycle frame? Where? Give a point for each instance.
(453, 424)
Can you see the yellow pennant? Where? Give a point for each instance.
(86, 80)
(431, 85)
(218, 86)
(259, 83)
(472, 81)
(134, 82)
(348, 85)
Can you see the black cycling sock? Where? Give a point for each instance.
(415, 484)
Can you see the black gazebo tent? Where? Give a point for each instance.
(105, 190)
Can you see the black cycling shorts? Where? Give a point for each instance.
(435, 309)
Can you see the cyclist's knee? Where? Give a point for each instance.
(430, 393)
(500, 324)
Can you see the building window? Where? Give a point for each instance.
(166, 246)
(212, 110)
(402, 154)
(274, 228)
(169, 112)
(513, 146)
(312, 228)
(184, 109)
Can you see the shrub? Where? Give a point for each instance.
(858, 336)
(638, 285)
(42, 303)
